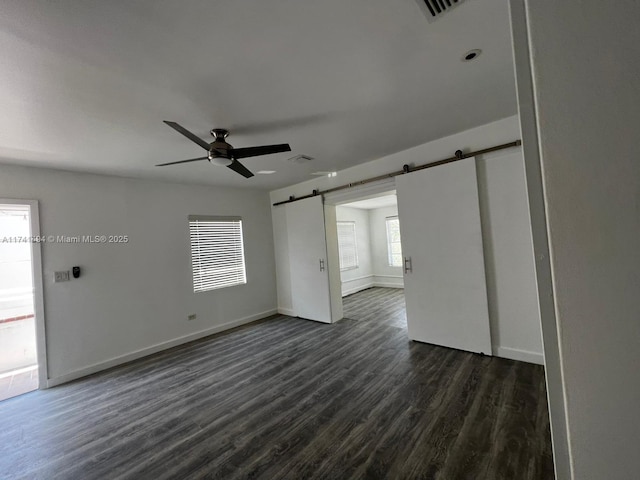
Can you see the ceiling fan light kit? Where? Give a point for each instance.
(222, 153)
(220, 161)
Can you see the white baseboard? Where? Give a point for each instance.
(388, 281)
(353, 290)
(387, 285)
(113, 362)
(286, 311)
(356, 285)
(362, 283)
(521, 355)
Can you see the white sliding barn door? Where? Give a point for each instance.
(308, 259)
(444, 280)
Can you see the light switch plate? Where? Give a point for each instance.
(61, 276)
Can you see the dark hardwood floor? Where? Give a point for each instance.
(290, 398)
(379, 305)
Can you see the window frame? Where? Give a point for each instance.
(352, 225)
(207, 254)
(390, 253)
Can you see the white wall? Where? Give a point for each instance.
(356, 279)
(283, 266)
(585, 70)
(385, 276)
(134, 298)
(509, 263)
(511, 283)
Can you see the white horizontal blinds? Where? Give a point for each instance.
(394, 247)
(217, 252)
(347, 245)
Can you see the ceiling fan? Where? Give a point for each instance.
(223, 154)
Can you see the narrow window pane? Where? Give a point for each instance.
(394, 247)
(347, 245)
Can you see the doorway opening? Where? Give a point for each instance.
(19, 371)
(371, 262)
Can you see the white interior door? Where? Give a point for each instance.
(308, 259)
(444, 278)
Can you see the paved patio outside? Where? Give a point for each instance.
(18, 382)
(17, 345)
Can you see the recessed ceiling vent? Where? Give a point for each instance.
(434, 9)
(300, 159)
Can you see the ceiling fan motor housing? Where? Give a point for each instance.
(219, 133)
(220, 148)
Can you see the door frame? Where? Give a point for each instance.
(336, 199)
(38, 289)
(360, 192)
(527, 110)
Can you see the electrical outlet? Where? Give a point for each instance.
(61, 276)
(192, 316)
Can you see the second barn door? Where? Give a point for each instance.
(444, 279)
(308, 259)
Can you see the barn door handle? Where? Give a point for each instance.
(321, 265)
(408, 268)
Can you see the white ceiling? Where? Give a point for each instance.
(375, 202)
(85, 85)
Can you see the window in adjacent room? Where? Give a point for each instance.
(217, 252)
(347, 245)
(394, 249)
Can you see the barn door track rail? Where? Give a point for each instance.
(459, 155)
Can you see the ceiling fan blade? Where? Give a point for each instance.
(182, 161)
(256, 151)
(236, 166)
(188, 134)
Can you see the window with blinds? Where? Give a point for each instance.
(394, 249)
(347, 245)
(217, 252)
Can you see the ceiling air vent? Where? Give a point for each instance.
(300, 159)
(434, 9)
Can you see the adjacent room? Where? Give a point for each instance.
(371, 259)
(288, 240)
